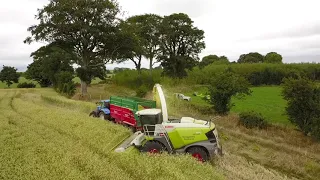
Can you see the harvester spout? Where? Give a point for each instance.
(160, 99)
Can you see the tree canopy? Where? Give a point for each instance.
(180, 44)
(273, 57)
(253, 57)
(303, 104)
(48, 61)
(86, 28)
(210, 59)
(9, 75)
(223, 87)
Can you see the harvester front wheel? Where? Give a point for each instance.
(153, 147)
(199, 153)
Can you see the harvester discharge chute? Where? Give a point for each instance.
(186, 135)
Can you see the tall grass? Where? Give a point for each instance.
(43, 138)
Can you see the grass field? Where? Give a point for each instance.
(265, 100)
(46, 136)
(21, 80)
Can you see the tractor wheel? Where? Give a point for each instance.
(92, 114)
(153, 147)
(107, 117)
(199, 153)
(102, 115)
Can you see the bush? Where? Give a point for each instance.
(252, 119)
(142, 91)
(223, 87)
(65, 84)
(303, 109)
(26, 85)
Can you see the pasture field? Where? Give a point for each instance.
(46, 136)
(21, 80)
(265, 100)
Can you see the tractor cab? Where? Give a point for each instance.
(103, 104)
(103, 110)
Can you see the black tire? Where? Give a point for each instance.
(153, 147)
(199, 153)
(102, 115)
(107, 117)
(92, 114)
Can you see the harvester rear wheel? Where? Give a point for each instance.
(153, 147)
(199, 153)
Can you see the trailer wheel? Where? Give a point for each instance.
(199, 153)
(153, 147)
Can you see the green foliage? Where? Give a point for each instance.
(252, 57)
(35, 72)
(87, 29)
(142, 91)
(132, 79)
(65, 83)
(26, 85)
(223, 87)
(48, 61)
(142, 34)
(9, 75)
(252, 119)
(303, 109)
(180, 45)
(273, 57)
(257, 73)
(210, 59)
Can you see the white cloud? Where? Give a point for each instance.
(232, 27)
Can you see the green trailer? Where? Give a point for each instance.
(123, 110)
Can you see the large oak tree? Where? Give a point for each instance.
(180, 44)
(142, 34)
(87, 28)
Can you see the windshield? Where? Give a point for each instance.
(151, 119)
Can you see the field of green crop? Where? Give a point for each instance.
(265, 100)
(21, 80)
(46, 136)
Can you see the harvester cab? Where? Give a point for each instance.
(186, 135)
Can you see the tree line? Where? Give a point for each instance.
(90, 34)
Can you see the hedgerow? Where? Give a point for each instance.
(257, 74)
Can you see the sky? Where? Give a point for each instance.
(232, 27)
